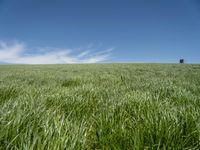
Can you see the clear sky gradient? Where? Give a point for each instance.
(90, 31)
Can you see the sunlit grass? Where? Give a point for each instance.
(107, 106)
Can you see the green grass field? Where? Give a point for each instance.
(99, 106)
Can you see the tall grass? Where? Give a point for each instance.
(107, 106)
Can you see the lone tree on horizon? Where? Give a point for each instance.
(181, 61)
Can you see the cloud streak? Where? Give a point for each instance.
(17, 53)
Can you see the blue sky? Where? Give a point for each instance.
(92, 31)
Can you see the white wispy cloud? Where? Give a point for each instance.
(17, 53)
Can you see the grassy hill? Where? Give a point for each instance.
(100, 106)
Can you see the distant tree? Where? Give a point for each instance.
(181, 61)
